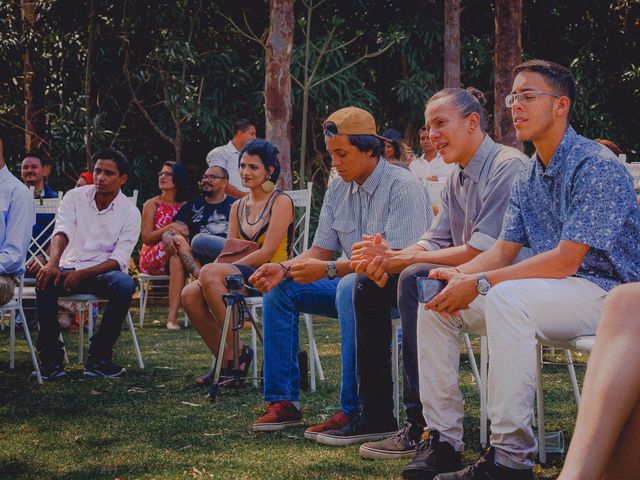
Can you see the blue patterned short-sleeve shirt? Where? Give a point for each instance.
(586, 196)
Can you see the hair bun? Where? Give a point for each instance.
(478, 94)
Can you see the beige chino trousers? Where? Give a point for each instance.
(513, 315)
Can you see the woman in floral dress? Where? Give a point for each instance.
(157, 217)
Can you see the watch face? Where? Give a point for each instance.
(331, 270)
(483, 285)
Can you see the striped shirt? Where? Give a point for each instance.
(391, 201)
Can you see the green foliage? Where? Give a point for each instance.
(224, 71)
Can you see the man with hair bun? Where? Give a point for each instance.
(371, 196)
(474, 200)
(573, 204)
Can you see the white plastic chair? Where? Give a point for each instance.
(580, 344)
(12, 306)
(43, 206)
(301, 200)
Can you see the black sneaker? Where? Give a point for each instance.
(104, 368)
(401, 444)
(432, 457)
(359, 430)
(485, 468)
(49, 372)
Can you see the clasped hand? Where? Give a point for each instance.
(460, 291)
(371, 257)
(51, 273)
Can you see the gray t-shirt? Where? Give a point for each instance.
(475, 199)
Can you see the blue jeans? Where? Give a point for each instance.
(115, 286)
(282, 307)
(206, 247)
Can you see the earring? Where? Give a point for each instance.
(267, 185)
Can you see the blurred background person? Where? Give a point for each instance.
(157, 216)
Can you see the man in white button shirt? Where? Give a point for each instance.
(97, 227)
(226, 156)
(430, 166)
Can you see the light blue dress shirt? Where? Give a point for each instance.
(585, 195)
(18, 218)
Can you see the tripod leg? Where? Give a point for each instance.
(220, 356)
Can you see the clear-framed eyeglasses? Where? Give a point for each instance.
(526, 98)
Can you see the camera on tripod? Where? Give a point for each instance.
(234, 282)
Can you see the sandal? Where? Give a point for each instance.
(244, 360)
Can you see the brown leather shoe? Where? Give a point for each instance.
(278, 416)
(336, 422)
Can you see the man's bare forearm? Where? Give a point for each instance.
(452, 256)
(58, 243)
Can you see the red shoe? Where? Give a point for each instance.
(279, 415)
(336, 422)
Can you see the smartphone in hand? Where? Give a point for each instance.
(429, 288)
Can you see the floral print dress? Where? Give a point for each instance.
(153, 260)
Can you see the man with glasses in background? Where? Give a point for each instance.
(204, 220)
(574, 206)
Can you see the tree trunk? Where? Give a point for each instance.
(34, 125)
(87, 84)
(507, 54)
(451, 43)
(277, 86)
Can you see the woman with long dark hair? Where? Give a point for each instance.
(157, 215)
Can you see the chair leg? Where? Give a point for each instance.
(484, 367)
(12, 339)
(542, 450)
(147, 289)
(312, 352)
(472, 359)
(32, 351)
(254, 346)
(134, 339)
(90, 319)
(315, 352)
(81, 307)
(64, 349)
(141, 303)
(572, 375)
(395, 370)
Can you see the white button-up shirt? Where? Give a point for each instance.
(423, 168)
(97, 236)
(17, 218)
(226, 156)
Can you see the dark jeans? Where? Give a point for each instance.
(117, 287)
(373, 334)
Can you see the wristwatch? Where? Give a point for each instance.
(331, 271)
(483, 284)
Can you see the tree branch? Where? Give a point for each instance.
(352, 64)
(134, 96)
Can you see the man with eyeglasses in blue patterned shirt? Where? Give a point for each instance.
(575, 207)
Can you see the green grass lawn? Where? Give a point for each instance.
(155, 423)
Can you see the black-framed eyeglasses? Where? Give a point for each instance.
(212, 177)
(164, 174)
(526, 98)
